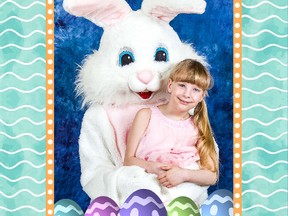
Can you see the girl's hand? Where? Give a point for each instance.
(155, 167)
(172, 176)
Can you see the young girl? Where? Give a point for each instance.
(175, 140)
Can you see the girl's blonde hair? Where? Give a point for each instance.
(194, 72)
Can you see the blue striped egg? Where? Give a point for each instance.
(67, 207)
(142, 203)
(219, 203)
(102, 206)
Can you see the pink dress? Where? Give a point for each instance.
(169, 141)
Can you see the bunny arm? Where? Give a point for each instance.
(101, 12)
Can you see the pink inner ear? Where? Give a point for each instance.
(105, 12)
(164, 13)
(169, 12)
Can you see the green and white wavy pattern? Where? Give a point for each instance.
(22, 107)
(265, 103)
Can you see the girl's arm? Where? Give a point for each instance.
(136, 133)
(175, 175)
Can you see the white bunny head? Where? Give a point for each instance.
(136, 51)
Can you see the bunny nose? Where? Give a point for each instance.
(145, 76)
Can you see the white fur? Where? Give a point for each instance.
(105, 84)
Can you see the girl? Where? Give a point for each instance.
(175, 140)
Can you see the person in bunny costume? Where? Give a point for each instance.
(127, 72)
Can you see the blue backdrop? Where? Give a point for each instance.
(211, 34)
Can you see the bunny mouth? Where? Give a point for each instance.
(145, 95)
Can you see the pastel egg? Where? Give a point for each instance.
(219, 203)
(67, 207)
(143, 203)
(102, 206)
(183, 206)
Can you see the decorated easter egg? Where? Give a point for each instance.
(219, 203)
(102, 206)
(143, 203)
(67, 207)
(183, 206)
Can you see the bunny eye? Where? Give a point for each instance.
(125, 58)
(161, 54)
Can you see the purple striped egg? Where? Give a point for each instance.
(142, 203)
(102, 206)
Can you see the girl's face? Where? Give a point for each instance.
(185, 95)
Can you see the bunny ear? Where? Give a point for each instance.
(101, 12)
(167, 10)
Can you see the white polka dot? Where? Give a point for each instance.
(155, 213)
(175, 213)
(237, 115)
(237, 75)
(237, 65)
(230, 211)
(50, 161)
(134, 212)
(237, 135)
(213, 210)
(237, 45)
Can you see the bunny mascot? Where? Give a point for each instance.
(127, 73)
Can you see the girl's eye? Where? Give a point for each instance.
(181, 85)
(197, 90)
(161, 54)
(126, 58)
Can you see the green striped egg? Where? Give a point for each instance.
(183, 206)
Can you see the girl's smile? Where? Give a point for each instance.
(186, 95)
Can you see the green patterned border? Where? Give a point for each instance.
(22, 107)
(264, 107)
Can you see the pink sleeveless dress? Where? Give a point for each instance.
(169, 141)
